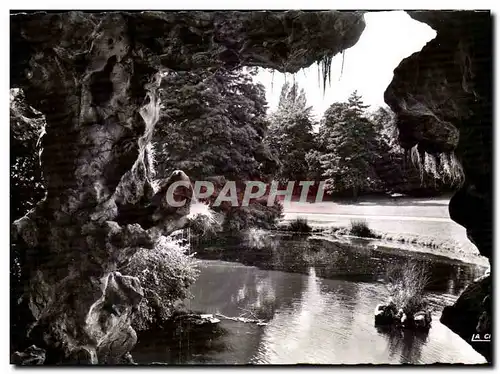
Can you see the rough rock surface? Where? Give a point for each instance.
(94, 76)
(442, 100)
(473, 305)
(31, 356)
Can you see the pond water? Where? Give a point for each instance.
(317, 311)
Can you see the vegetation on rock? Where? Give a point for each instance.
(165, 273)
(406, 284)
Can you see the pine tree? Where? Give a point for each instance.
(290, 133)
(350, 141)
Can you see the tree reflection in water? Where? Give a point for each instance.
(181, 340)
(333, 260)
(310, 320)
(404, 343)
(319, 307)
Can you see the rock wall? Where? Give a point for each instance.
(94, 76)
(442, 97)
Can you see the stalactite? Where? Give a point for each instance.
(342, 67)
(326, 67)
(457, 172)
(444, 161)
(431, 165)
(319, 74)
(415, 157)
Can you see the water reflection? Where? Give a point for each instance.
(294, 324)
(318, 298)
(181, 341)
(343, 261)
(310, 320)
(404, 344)
(294, 334)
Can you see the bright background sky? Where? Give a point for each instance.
(388, 38)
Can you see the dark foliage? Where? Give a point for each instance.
(299, 225)
(290, 136)
(357, 153)
(212, 124)
(360, 228)
(212, 127)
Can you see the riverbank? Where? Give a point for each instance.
(385, 241)
(418, 224)
(320, 286)
(347, 258)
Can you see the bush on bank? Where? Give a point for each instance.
(166, 273)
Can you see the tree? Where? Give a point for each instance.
(290, 135)
(385, 121)
(350, 141)
(213, 123)
(212, 126)
(358, 152)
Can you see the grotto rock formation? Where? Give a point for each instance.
(442, 100)
(94, 76)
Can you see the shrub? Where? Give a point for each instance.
(406, 283)
(299, 225)
(360, 228)
(204, 222)
(255, 215)
(166, 273)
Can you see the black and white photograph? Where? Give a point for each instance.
(200, 187)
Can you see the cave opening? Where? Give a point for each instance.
(439, 108)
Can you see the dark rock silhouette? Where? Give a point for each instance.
(442, 100)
